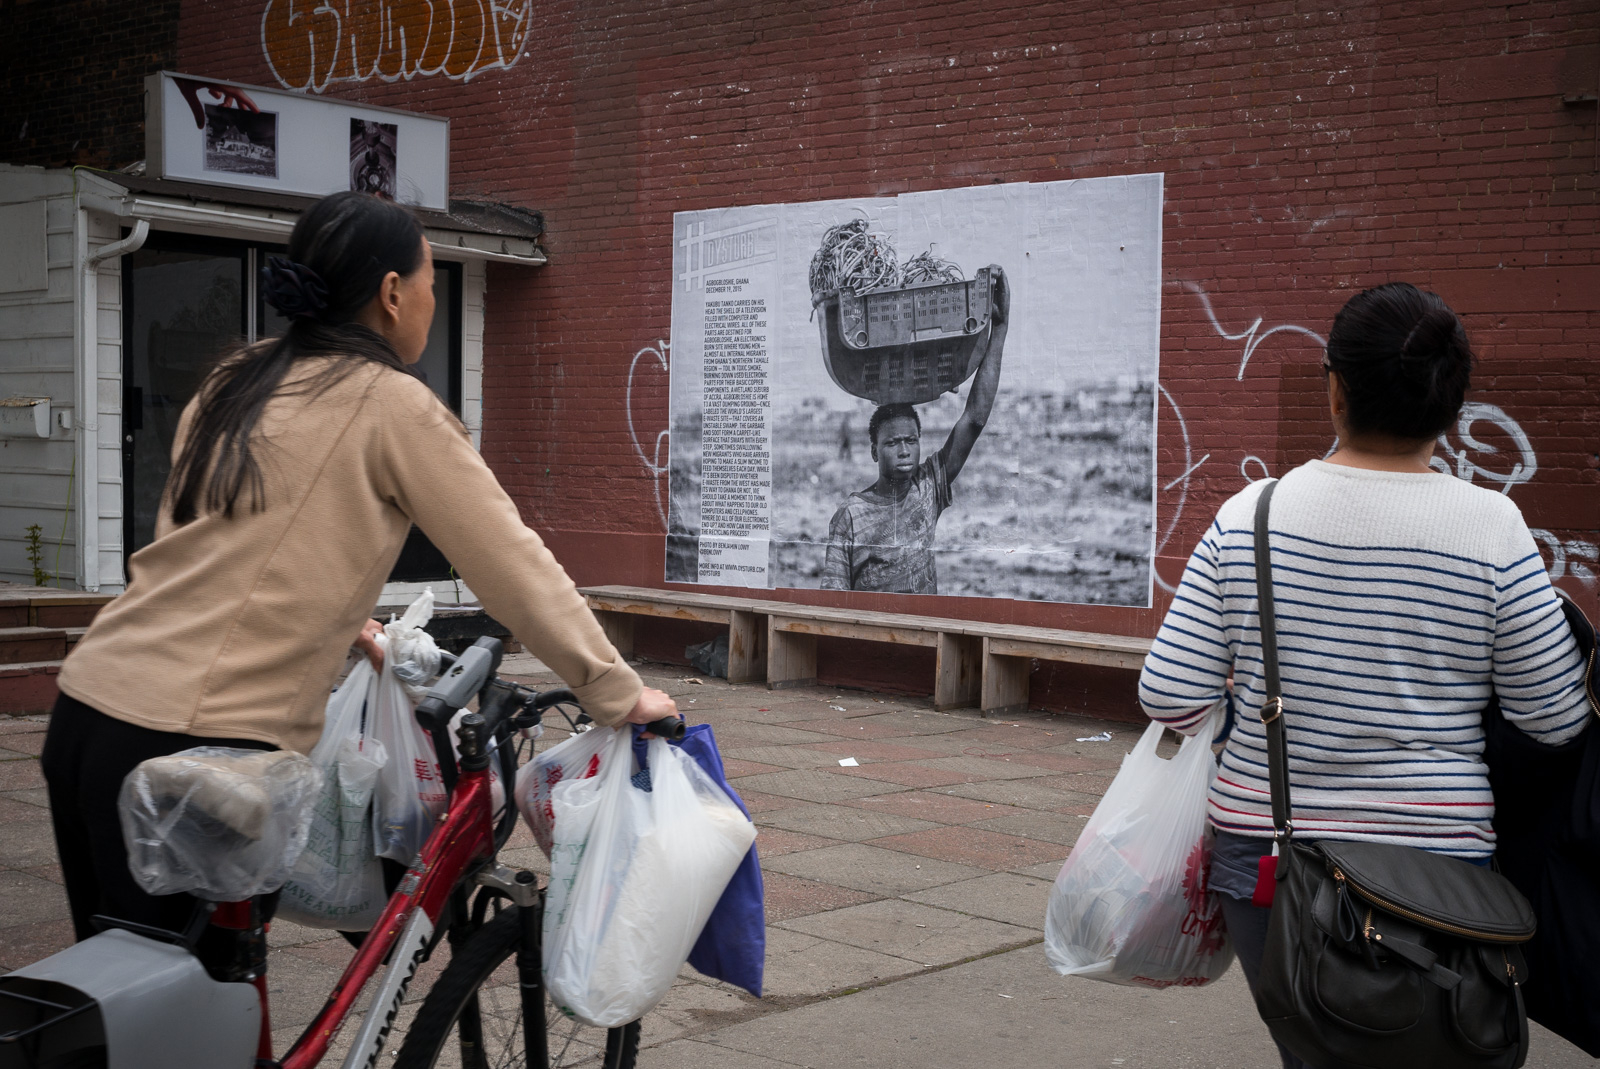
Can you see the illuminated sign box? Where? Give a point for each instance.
(229, 134)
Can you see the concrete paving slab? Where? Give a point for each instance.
(872, 868)
(694, 1054)
(911, 930)
(23, 725)
(928, 805)
(868, 728)
(21, 773)
(804, 966)
(757, 802)
(813, 785)
(27, 842)
(1029, 794)
(29, 900)
(1058, 828)
(22, 944)
(867, 750)
(844, 823)
(905, 773)
(1003, 896)
(35, 796)
(733, 768)
(693, 1007)
(968, 845)
(26, 742)
(986, 768)
(781, 757)
(788, 896)
(957, 1017)
(735, 735)
(1068, 762)
(1045, 870)
(1090, 783)
(775, 842)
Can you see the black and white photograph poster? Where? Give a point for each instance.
(942, 393)
(239, 141)
(373, 157)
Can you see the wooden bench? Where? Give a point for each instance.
(975, 663)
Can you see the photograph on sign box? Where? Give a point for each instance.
(238, 141)
(373, 157)
(948, 393)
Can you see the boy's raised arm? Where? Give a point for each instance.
(980, 399)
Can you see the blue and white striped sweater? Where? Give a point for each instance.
(1404, 601)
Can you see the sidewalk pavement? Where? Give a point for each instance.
(905, 897)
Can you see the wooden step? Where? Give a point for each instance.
(28, 688)
(39, 606)
(21, 645)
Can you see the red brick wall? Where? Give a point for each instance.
(72, 78)
(1309, 150)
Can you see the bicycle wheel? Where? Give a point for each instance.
(482, 976)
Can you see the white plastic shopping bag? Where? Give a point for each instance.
(574, 758)
(638, 862)
(1132, 903)
(410, 794)
(337, 881)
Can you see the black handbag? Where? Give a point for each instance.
(1378, 956)
(1547, 821)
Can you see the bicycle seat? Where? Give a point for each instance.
(222, 823)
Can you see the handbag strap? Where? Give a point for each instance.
(1272, 709)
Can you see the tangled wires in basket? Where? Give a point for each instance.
(852, 258)
(926, 267)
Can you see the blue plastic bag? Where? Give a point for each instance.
(733, 945)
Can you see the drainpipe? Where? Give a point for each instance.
(86, 495)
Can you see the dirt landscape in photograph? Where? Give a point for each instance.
(1054, 503)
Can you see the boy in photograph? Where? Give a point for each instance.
(881, 538)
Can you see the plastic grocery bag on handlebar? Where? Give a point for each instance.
(410, 795)
(338, 881)
(576, 758)
(220, 823)
(732, 946)
(1131, 904)
(636, 867)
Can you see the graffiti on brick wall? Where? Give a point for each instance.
(653, 463)
(1465, 452)
(311, 44)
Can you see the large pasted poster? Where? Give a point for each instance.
(949, 393)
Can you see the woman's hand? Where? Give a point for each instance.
(653, 705)
(367, 643)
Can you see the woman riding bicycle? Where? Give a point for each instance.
(298, 470)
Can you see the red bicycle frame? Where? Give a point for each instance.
(463, 839)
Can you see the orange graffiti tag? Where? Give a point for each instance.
(310, 44)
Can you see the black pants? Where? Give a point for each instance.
(1247, 927)
(86, 757)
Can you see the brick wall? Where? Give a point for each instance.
(72, 78)
(1310, 149)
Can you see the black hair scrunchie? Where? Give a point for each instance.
(296, 291)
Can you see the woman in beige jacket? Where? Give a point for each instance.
(298, 470)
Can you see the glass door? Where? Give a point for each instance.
(186, 302)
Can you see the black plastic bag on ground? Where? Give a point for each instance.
(710, 657)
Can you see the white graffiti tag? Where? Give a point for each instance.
(1253, 335)
(1467, 452)
(652, 464)
(1462, 461)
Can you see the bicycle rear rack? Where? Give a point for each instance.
(27, 1022)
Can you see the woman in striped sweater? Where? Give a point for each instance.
(1404, 596)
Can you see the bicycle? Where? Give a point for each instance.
(447, 894)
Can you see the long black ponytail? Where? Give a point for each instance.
(339, 254)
